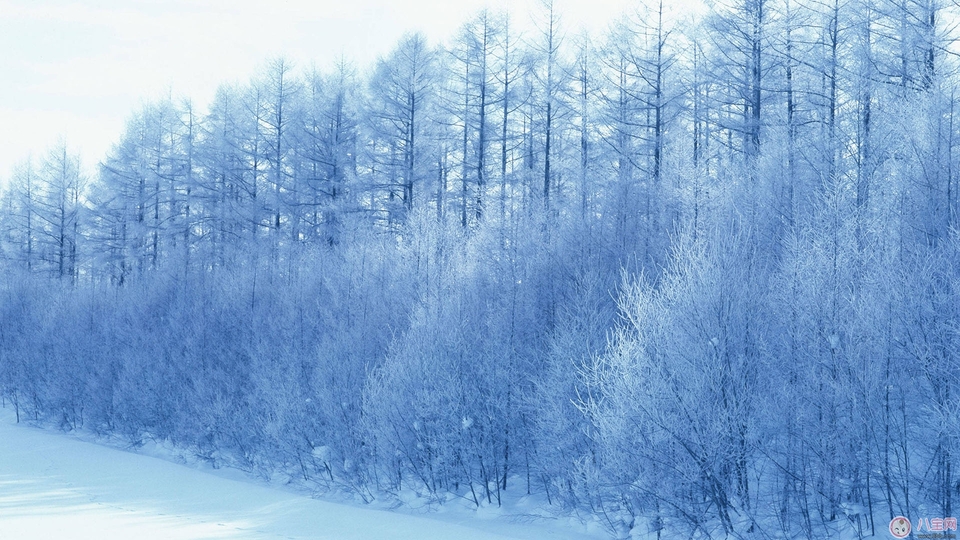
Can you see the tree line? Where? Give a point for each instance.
(698, 275)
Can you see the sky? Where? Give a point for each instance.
(75, 70)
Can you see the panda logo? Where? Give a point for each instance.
(900, 527)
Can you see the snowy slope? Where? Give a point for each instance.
(53, 485)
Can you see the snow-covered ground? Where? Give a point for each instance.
(55, 485)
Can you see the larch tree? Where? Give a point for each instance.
(402, 90)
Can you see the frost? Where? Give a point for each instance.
(322, 453)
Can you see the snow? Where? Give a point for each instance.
(55, 485)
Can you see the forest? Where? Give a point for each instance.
(696, 277)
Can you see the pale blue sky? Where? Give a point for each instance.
(77, 69)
